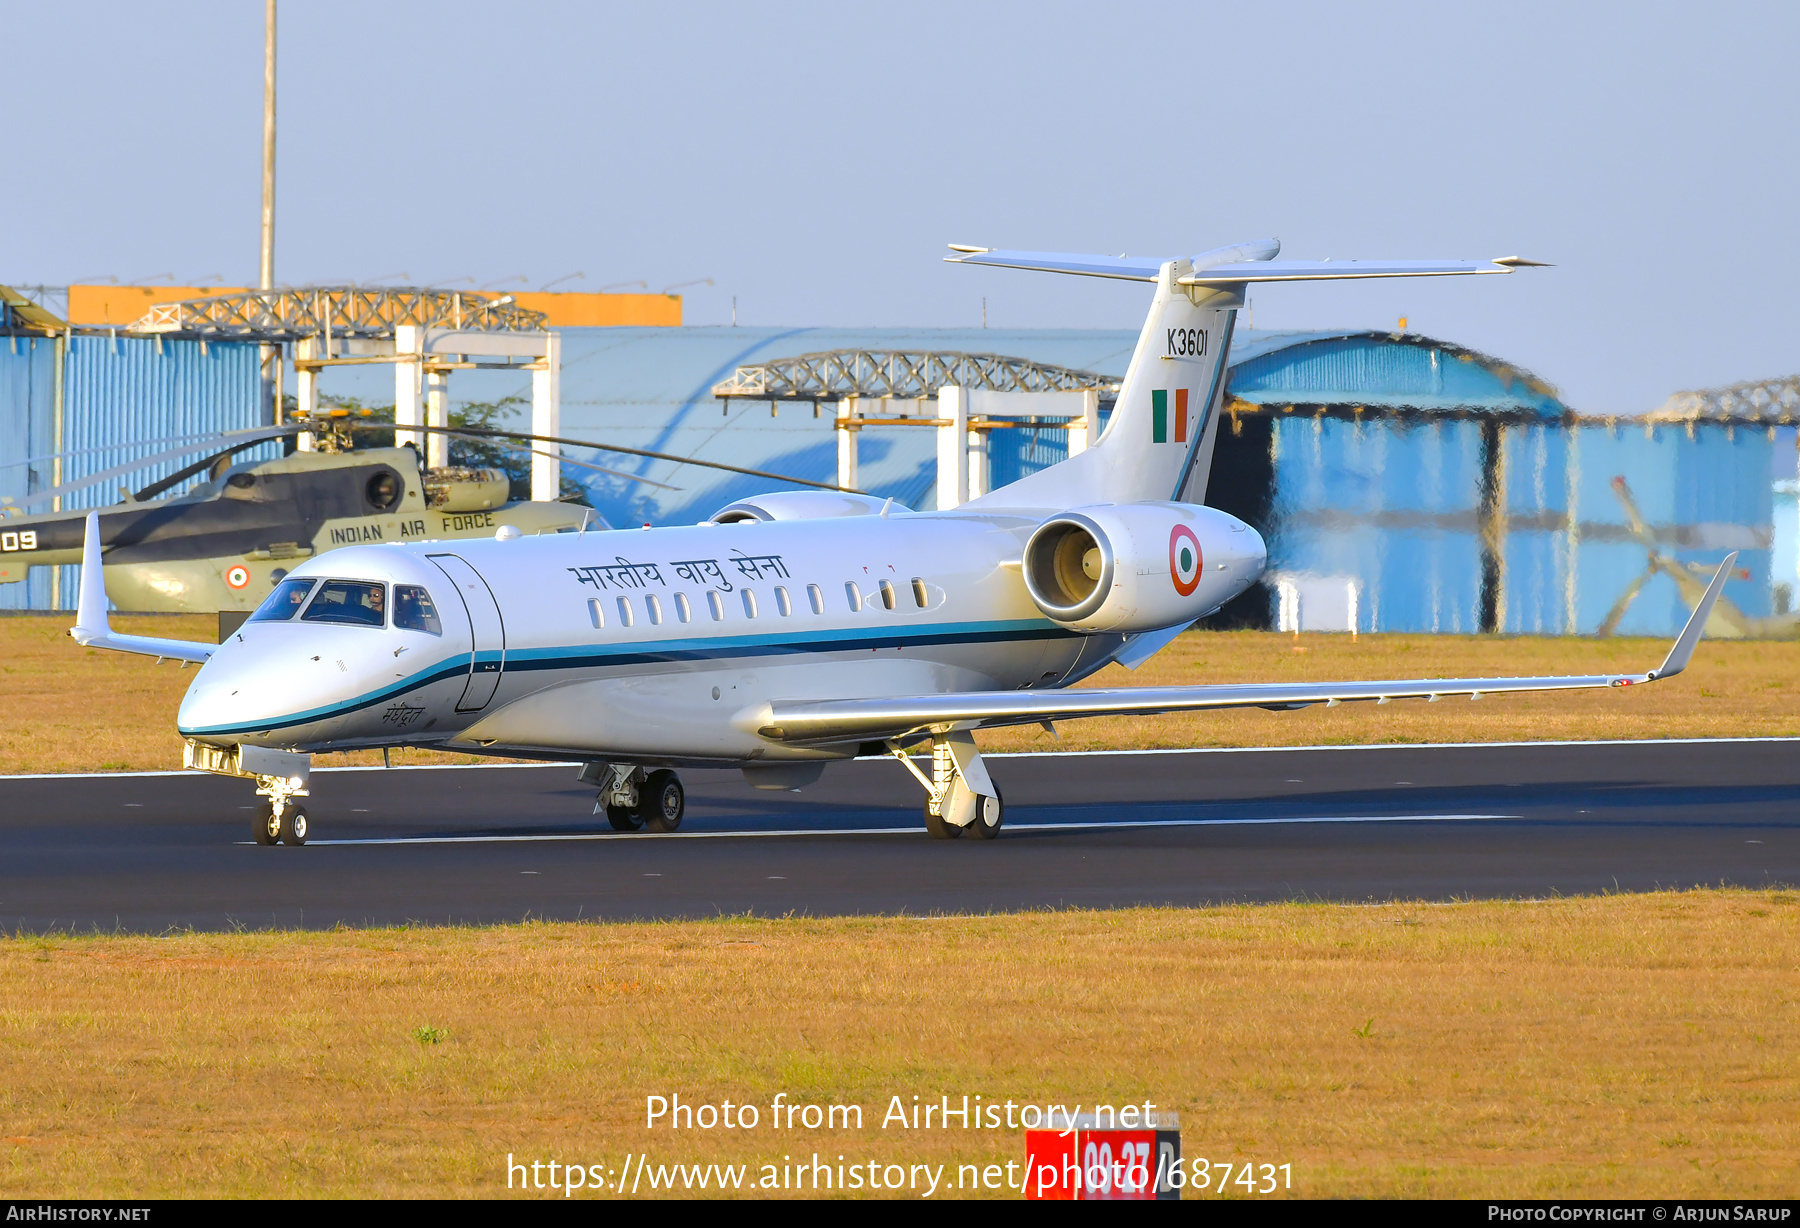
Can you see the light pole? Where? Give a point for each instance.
(272, 360)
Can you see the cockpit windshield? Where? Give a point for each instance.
(361, 603)
(285, 602)
(414, 610)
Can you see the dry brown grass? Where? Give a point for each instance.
(1619, 1046)
(75, 709)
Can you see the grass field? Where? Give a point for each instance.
(75, 709)
(1612, 1047)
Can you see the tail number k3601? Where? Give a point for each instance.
(1186, 343)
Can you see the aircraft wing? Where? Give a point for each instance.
(1234, 272)
(92, 630)
(802, 722)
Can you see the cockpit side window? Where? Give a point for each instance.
(415, 611)
(281, 605)
(361, 603)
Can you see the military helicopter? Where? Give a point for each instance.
(224, 543)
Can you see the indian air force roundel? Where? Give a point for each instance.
(1184, 559)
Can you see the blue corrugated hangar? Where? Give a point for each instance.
(1405, 483)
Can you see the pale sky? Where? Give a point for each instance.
(813, 160)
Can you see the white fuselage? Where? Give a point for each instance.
(655, 645)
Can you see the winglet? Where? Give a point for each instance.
(92, 630)
(90, 609)
(1683, 650)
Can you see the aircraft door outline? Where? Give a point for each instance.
(486, 628)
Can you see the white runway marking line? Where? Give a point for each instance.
(905, 831)
(1010, 754)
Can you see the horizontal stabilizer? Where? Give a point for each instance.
(1208, 270)
(1333, 270)
(1131, 268)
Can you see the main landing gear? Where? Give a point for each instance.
(636, 800)
(960, 796)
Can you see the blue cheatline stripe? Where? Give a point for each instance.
(657, 652)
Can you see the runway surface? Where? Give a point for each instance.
(151, 852)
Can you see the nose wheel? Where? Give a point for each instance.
(283, 824)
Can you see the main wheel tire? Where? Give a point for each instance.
(989, 814)
(662, 801)
(293, 826)
(624, 818)
(264, 827)
(939, 829)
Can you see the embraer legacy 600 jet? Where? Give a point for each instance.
(797, 628)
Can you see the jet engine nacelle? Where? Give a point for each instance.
(1132, 567)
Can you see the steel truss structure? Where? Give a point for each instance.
(837, 375)
(1773, 402)
(337, 311)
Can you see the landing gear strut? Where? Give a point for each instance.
(280, 775)
(960, 796)
(635, 800)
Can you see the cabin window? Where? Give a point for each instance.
(887, 594)
(652, 604)
(415, 611)
(624, 612)
(920, 597)
(749, 604)
(285, 602)
(782, 602)
(596, 612)
(683, 611)
(815, 598)
(853, 595)
(716, 604)
(357, 603)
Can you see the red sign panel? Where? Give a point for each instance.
(1106, 1165)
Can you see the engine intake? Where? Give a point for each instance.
(1069, 567)
(1135, 567)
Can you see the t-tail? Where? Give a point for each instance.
(1159, 442)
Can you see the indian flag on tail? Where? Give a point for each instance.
(1159, 416)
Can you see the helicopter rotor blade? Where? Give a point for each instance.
(183, 474)
(203, 440)
(617, 473)
(484, 432)
(259, 434)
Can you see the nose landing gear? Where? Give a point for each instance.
(281, 776)
(635, 800)
(286, 825)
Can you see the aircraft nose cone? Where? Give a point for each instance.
(233, 693)
(210, 702)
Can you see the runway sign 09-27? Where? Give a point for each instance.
(1102, 1165)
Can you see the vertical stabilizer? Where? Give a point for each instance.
(1159, 442)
